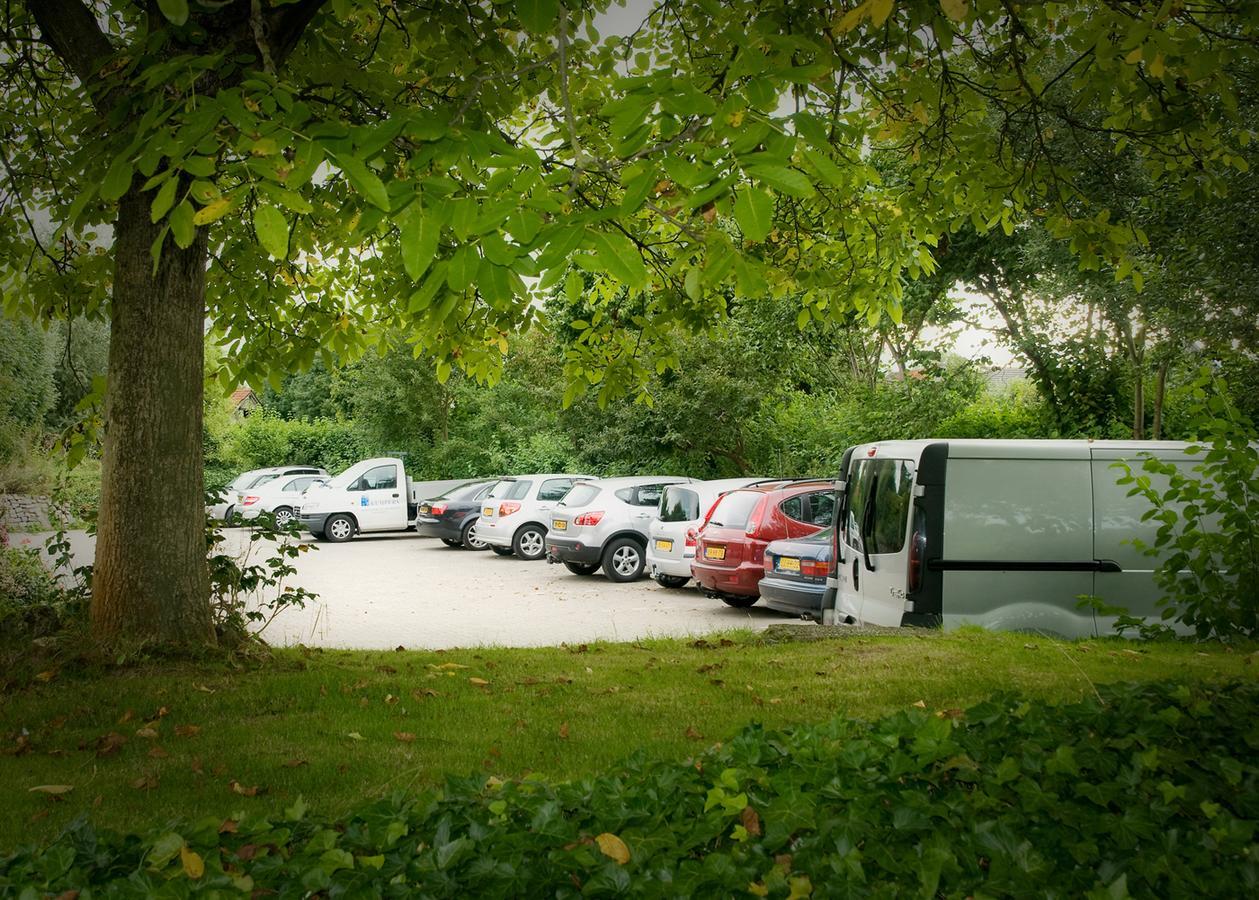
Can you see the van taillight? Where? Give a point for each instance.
(754, 520)
(917, 557)
(691, 537)
(507, 508)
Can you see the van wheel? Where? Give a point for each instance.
(470, 540)
(672, 581)
(582, 568)
(339, 529)
(623, 560)
(530, 542)
(738, 602)
(501, 551)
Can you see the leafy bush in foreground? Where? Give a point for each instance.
(1154, 793)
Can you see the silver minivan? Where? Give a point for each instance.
(1004, 534)
(604, 524)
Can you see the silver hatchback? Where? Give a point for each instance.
(604, 524)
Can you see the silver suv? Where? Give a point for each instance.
(604, 524)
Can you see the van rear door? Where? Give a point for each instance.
(875, 532)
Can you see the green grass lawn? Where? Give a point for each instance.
(147, 743)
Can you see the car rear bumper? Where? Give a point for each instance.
(742, 580)
(494, 533)
(560, 549)
(796, 597)
(314, 522)
(439, 528)
(669, 565)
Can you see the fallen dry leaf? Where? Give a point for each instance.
(147, 732)
(390, 699)
(108, 744)
(751, 821)
(921, 704)
(355, 736)
(294, 763)
(202, 688)
(613, 847)
(194, 865)
(251, 791)
(479, 682)
(46, 676)
(247, 852)
(145, 782)
(229, 826)
(187, 730)
(405, 736)
(158, 753)
(564, 731)
(444, 667)
(427, 692)
(195, 765)
(127, 717)
(53, 790)
(693, 733)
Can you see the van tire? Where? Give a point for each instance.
(582, 568)
(339, 528)
(737, 601)
(529, 542)
(672, 581)
(501, 551)
(624, 560)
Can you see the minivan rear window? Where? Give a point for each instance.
(733, 510)
(679, 504)
(580, 495)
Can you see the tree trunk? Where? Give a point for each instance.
(1160, 395)
(150, 581)
(1138, 405)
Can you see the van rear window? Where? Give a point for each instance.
(733, 510)
(679, 504)
(880, 493)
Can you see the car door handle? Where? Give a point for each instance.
(395, 495)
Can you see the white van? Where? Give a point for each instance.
(374, 495)
(1007, 535)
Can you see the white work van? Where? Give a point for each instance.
(374, 495)
(1007, 535)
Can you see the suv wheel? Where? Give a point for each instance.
(582, 568)
(738, 602)
(339, 529)
(623, 560)
(672, 581)
(530, 542)
(470, 540)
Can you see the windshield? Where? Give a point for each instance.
(580, 495)
(679, 504)
(734, 508)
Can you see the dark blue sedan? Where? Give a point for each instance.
(452, 516)
(795, 574)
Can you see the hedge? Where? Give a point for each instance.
(1146, 790)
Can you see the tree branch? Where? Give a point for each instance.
(70, 29)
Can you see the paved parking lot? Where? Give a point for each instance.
(399, 590)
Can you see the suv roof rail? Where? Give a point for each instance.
(786, 481)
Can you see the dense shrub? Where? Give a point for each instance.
(1148, 790)
(28, 591)
(1014, 413)
(265, 440)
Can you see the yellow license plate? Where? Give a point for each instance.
(666, 546)
(788, 564)
(488, 511)
(559, 524)
(714, 553)
(424, 508)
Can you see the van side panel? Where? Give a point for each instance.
(1002, 519)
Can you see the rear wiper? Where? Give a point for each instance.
(718, 524)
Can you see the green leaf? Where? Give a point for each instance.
(272, 230)
(573, 286)
(117, 180)
(419, 242)
(164, 200)
(826, 167)
(754, 211)
(463, 266)
(538, 15)
(364, 180)
(618, 256)
(181, 225)
(789, 181)
(174, 10)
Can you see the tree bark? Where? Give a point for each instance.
(1160, 395)
(151, 582)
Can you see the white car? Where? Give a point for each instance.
(516, 514)
(671, 537)
(227, 507)
(278, 496)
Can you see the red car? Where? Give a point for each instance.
(730, 550)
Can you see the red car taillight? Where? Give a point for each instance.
(507, 507)
(437, 509)
(249, 501)
(691, 537)
(815, 568)
(754, 520)
(768, 561)
(589, 518)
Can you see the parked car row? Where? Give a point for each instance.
(1004, 534)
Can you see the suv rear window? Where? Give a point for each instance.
(733, 510)
(679, 504)
(580, 495)
(511, 490)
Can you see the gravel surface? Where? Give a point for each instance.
(381, 592)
